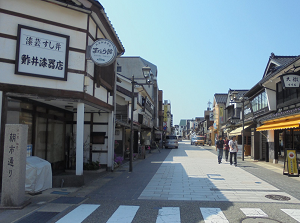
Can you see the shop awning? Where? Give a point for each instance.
(237, 131)
(281, 124)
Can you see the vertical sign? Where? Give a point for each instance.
(165, 113)
(221, 114)
(14, 165)
(292, 162)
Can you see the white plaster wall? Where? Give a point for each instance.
(90, 41)
(90, 68)
(53, 13)
(121, 100)
(99, 34)
(110, 100)
(8, 48)
(101, 93)
(92, 28)
(46, 10)
(76, 61)
(10, 26)
(74, 83)
(125, 84)
(271, 96)
(271, 137)
(89, 88)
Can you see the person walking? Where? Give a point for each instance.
(226, 148)
(219, 147)
(233, 150)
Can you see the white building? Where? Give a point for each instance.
(145, 114)
(49, 83)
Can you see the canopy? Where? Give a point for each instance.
(237, 131)
(279, 125)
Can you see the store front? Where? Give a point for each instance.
(48, 130)
(286, 134)
(49, 83)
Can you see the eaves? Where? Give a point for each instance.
(265, 79)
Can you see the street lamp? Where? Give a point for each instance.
(148, 76)
(233, 99)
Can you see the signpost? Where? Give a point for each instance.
(290, 163)
(14, 166)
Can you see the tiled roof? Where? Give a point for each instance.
(241, 93)
(280, 114)
(221, 98)
(284, 62)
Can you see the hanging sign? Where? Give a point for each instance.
(290, 80)
(103, 52)
(42, 53)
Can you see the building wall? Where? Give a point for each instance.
(82, 30)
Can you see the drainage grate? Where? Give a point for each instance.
(157, 208)
(278, 197)
(38, 217)
(60, 192)
(259, 220)
(69, 200)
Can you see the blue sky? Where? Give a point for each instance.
(203, 47)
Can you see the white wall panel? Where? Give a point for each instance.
(99, 34)
(101, 94)
(74, 83)
(48, 11)
(90, 68)
(101, 118)
(92, 28)
(8, 48)
(10, 27)
(110, 100)
(89, 88)
(76, 61)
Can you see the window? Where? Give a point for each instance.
(259, 102)
(98, 137)
(119, 69)
(279, 93)
(287, 94)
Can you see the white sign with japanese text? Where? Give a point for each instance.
(103, 52)
(42, 53)
(290, 80)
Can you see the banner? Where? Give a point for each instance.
(165, 113)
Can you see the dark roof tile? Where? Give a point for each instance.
(221, 98)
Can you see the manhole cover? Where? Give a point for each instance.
(278, 197)
(259, 220)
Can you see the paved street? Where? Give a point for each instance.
(179, 185)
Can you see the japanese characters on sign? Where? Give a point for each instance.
(42, 53)
(292, 162)
(13, 146)
(103, 52)
(290, 80)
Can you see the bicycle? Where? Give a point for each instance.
(156, 146)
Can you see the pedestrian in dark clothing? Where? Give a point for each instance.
(219, 147)
(233, 150)
(226, 148)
